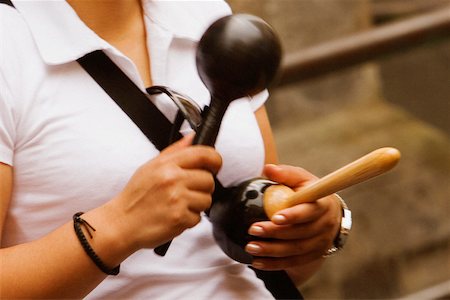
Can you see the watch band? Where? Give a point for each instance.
(346, 225)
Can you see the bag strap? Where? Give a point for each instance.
(7, 2)
(148, 117)
(135, 103)
(155, 126)
(279, 284)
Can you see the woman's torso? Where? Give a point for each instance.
(73, 149)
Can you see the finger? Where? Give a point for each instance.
(199, 201)
(308, 212)
(283, 248)
(191, 219)
(199, 157)
(199, 180)
(288, 232)
(301, 213)
(288, 175)
(180, 144)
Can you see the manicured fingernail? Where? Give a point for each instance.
(279, 219)
(253, 248)
(256, 231)
(273, 166)
(258, 265)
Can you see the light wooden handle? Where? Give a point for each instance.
(373, 164)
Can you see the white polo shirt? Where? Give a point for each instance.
(73, 149)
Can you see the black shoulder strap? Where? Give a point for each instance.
(135, 103)
(279, 284)
(157, 129)
(147, 117)
(7, 2)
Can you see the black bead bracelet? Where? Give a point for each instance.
(77, 223)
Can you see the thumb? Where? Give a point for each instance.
(288, 175)
(180, 144)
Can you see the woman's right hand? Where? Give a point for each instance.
(167, 195)
(164, 197)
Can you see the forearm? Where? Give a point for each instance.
(164, 197)
(56, 265)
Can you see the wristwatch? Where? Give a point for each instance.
(346, 225)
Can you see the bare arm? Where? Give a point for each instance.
(6, 181)
(266, 132)
(56, 266)
(311, 263)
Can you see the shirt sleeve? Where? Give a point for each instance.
(7, 128)
(259, 99)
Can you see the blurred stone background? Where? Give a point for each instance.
(400, 243)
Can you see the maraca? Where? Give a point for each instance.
(237, 56)
(259, 199)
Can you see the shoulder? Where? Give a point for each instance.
(18, 51)
(15, 37)
(13, 29)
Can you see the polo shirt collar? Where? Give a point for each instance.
(62, 37)
(170, 14)
(59, 33)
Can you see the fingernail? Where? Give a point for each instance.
(253, 248)
(273, 166)
(258, 265)
(256, 231)
(279, 219)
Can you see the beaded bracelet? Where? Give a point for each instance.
(77, 223)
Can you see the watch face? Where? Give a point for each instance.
(346, 225)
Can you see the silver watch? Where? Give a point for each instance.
(346, 225)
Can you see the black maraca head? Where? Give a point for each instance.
(232, 216)
(238, 56)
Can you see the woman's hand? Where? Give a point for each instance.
(302, 233)
(167, 194)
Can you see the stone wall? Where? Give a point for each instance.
(401, 237)
(309, 22)
(419, 81)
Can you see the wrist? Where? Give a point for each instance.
(109, 240)
(81, 226)
(344, 229)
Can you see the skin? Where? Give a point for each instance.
(55, 266)
(304, 232)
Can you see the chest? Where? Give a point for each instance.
(71, 134)
(73, 140)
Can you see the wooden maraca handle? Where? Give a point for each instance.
(377, 162)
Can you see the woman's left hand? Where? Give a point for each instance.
(301, 234)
